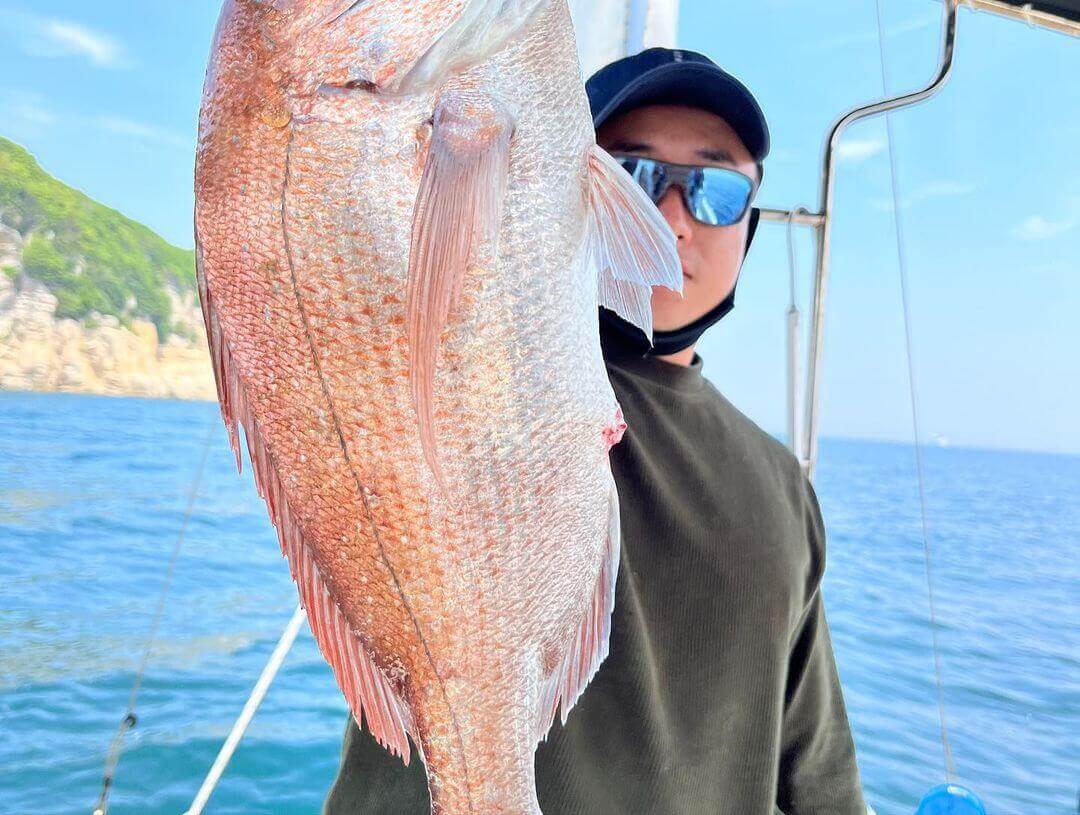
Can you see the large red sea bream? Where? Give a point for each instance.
(404, 229)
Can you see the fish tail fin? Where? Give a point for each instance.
(589, 647)
(631, 244)
(459, 208)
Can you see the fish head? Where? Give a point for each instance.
(353, 81)
(387, 46)
(275, 59)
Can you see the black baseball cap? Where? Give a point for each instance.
(677, 77)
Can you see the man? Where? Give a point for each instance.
(720, 694)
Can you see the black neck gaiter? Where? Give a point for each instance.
(614, 330)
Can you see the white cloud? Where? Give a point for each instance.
(22, 107)
(74, 39)
(29, 113)
(1040, 227)
(782, 154)
(858, 150)
(53, 37)
(870, 36)
(142, 131)
(942, 188)
(1037, 228)
(1055, 269)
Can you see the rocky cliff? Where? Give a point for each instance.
(90, 301)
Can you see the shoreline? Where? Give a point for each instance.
(195, 400)
(43, 353)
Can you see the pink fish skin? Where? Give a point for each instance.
(404, 229)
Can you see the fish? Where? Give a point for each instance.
(404, 229)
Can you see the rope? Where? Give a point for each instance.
(1026, 10)
(288, 637)
(950, 766)
(129, 721)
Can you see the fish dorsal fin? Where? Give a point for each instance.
(370, 695)
(589, 646)
(631, 244)
(458, 209)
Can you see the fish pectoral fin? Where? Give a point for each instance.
(630, 242)
(589, 647)
(458, 210)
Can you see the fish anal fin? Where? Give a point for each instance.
(631, 244)
(218, 350)
(458, 209)
(589, 647)
(367, 690)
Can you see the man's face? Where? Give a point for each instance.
(711, 255)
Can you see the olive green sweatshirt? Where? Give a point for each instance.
(720, 695)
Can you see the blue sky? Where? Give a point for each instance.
(989, 179)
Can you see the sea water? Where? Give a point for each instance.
(93, 494)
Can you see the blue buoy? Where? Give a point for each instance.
(950, 799)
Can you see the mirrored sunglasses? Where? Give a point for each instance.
(716, 196)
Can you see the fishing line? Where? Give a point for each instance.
(901, 256)
(128, 722)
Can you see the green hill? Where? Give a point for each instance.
(90, 256)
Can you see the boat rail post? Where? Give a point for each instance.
(824, 231)
(273, 665)
(792, 218)
(794, 337)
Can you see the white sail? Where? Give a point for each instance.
(609, 29)
(661, 24)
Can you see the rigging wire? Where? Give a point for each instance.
(901, 255)
(129, 721)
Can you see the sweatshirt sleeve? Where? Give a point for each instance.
(818, 771)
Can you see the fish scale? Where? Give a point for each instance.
(400, 279)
